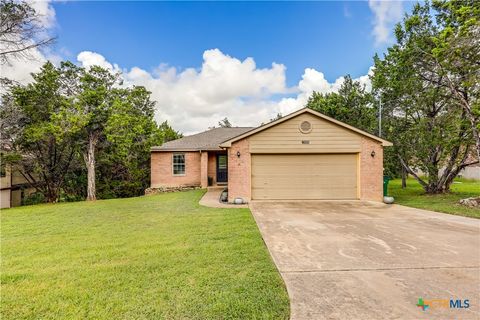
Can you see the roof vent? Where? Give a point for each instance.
(305, 127)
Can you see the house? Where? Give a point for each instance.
(14, 188)
(304, 155)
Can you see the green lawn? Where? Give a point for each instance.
(414, 196)
(156, 257)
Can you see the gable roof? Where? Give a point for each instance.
(207, 140)
(228, 142)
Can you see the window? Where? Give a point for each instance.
(178, 164)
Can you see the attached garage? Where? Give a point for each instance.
(305, 156)
(304, 176)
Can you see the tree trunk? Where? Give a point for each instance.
(410, 171)
(89, 158)
(467, 107)
(52, 195)
(404, 178)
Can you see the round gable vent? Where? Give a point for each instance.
(305, 127)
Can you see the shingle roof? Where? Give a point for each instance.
(207, 140)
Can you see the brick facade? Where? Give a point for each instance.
(162, 174)
(239, 171)
(201, 165)
(204, 169)
(212, 166)
(371, 170)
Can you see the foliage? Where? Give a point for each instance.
(421, 117)
(225, 123)
(71, 121)
(456, 56)
(277, 116)
(42, 147)
(34, 198)
(155, 257)
(352, 104)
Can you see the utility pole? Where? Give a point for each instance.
(380, 119)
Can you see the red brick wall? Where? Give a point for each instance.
(239, 171)
(204, 169)
(371, 170)
(212, 166)
(162, 174)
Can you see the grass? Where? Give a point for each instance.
(414, 196)
(156, 257)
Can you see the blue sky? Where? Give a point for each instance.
(335, 37)
(204, 61)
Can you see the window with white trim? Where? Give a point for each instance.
(178, 164)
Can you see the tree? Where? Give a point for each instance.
(20, 30)
(424, 121)
(456, 56)
(277, 116)
(225, 123)
(96, 99)
(352, 105)
(73, 127)
(130, 131)
(33, 136)
(167, 133)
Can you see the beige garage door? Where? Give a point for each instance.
(304, 176)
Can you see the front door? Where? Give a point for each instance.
(222, 173)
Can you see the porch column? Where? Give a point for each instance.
(204, 169)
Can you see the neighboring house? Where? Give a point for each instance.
(471, 172)
(13, 187)
(304, 155)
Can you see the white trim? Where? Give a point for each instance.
(184, 164)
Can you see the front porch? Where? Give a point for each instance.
(213, 169)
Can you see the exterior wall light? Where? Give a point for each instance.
(373, 154)
(238, 154)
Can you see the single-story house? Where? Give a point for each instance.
(303, 155)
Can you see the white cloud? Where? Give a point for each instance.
(194, 99)
(313, 80)
(45, 12)
(387, 13)
(89, 58)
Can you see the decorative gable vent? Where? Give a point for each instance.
(305, 127)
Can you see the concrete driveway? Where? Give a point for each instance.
(364, 260)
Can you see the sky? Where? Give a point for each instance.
(204, 61)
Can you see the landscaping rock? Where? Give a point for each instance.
(388, 200)
(238, 201)
(151, 191)
(471, 202)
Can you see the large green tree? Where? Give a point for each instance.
(33, 139)
(352, 104)
(426, 123)
(456, 56)
(96, 104)
(73, 127)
